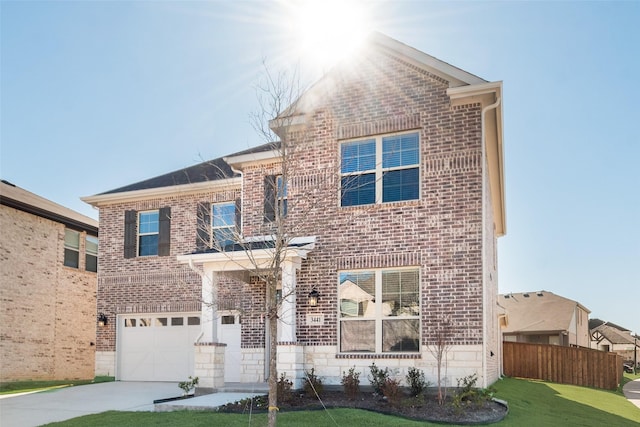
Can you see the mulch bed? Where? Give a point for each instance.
(423, 408)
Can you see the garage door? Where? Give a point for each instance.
(157, 347)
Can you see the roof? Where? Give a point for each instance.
(613, 333)
(23, 200)
(538, 312)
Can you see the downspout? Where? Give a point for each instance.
(484, 247)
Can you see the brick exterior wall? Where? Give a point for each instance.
(441, 233)
(47, 310)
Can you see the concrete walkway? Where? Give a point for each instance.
(631, 391)
(35, 409)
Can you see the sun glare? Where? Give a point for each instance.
(328, 31)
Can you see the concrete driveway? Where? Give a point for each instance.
(62, 404)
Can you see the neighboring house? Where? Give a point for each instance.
(545, 318)
(48, 263)
(405, 237)
(607, 336)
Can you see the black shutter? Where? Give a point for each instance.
(164, 232)
(203, 232)
(238, 216)
(269, 198)
(130, 233)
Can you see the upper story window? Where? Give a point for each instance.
(91, 250)
(224, 224)
(147, 233)
(383, 168)
(379, 311)
(148, 228)
(71, 248)
(275, 197)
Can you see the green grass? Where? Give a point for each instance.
(531, 403)
(27, 386)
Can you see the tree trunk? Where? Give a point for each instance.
(273, 353)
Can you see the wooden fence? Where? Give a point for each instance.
(566, 365)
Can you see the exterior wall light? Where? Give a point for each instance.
(313, 298)
(102, 319)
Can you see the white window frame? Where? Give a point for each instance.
(90, 253)
(140, 234)
(379, 317)
(379, 169)
(68, 247)
(213, 243)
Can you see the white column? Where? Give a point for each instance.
(287, 318)
(209, 308)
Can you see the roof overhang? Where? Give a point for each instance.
(489, 95)
(250, 259)
(239, 162)
(154, 193)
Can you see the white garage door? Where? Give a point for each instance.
(157, 347)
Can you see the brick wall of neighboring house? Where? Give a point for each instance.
(47, 310)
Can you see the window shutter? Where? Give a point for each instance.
(204, 226)
(238, 216)
(269, 198)
(130, 233)
(164, 231)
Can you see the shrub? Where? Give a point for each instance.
(416, 381)
(351, 383)
(378, 377)
(467, 393)
(188, 385)
(312, 383)
(391, 390)
(284, 387)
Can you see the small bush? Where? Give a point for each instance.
(416, 381)
(284, 388)
(378, 377)
(312, 383)
(351, 383)
(188, 385)
(467, 393)
(391, 390)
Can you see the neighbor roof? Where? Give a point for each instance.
(614, 334)
(23, 200)
(541, 311)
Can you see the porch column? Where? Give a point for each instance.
(287, 319)
(209, 315)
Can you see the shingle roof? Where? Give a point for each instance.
(614, 333)
(541, 311)
(210, 170)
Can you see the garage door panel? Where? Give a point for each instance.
(157, 347)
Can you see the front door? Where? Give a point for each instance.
(229, 330)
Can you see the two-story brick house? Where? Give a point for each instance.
(394, 197)
(48, 264)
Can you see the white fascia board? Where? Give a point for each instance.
(244, 159)
(454, 75)
(477, 90)
(152, 193)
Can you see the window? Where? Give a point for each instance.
(367, 180)
(148, 227)
(379, 311)
(275, 197)
(147, 233)
(224, 224)
(71, 248)
(91, 256)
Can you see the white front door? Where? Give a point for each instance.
(229, 330)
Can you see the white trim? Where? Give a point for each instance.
(153, 193)
(244, 159)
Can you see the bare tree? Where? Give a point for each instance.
(439, 348)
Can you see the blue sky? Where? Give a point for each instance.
(96, 95)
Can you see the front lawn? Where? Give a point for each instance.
(530, 403)
(28, 386)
